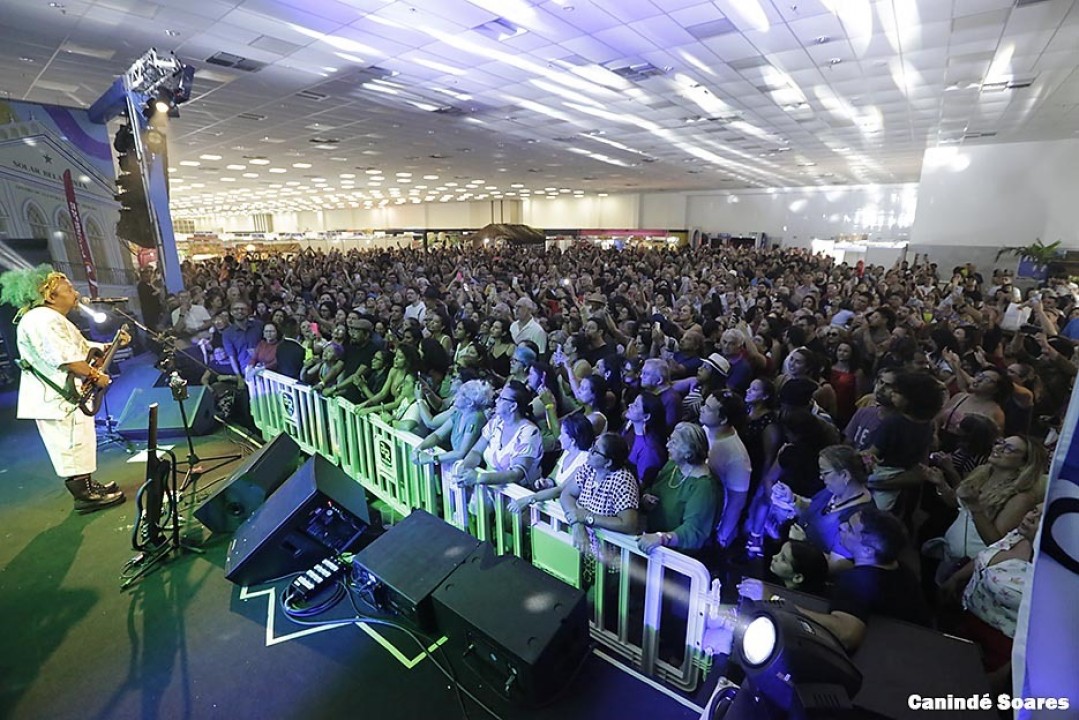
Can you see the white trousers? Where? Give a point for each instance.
(72, 444)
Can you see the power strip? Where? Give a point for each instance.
(317, 579)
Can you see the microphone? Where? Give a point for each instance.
(104, 301)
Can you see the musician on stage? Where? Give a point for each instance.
(57, 352)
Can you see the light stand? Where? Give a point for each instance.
(194, 470)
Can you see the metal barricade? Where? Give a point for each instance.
(383, 459)
(281, 404)
(631, 592)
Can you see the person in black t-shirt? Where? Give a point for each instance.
(876, 585)
(903, 439)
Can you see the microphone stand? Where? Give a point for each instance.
(179, 393)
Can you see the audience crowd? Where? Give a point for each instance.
(877, 434)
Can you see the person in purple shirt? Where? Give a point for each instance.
(242, 336)
(656, 379)
(865, 421)
(646, 436)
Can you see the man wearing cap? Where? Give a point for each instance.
(359, 352)
(712, 374)
(525, 326)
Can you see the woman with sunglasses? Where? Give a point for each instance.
(602, 494)
(987, 394)
(510, 445)
(991, 501)
(817, 519)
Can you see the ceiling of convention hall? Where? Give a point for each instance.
(302, 104)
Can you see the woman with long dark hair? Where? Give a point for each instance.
(646, 436)
(576, 438)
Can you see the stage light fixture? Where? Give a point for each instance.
(794, 667)
(759, 640)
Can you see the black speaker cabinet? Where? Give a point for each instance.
(408, 563)
(234, 499)
(520, 631)
(199, 407)
(318, 512)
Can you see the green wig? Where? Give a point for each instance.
(28, 288)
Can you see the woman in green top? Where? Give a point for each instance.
(683, 502)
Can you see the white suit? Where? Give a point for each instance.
(47, 340)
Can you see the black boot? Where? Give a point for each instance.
(109, 487)
(89, 496)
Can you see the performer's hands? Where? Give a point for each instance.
(102, 380)
(123, 338)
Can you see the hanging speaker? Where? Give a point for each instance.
(318, 512)
(199, 407)
(235, 499)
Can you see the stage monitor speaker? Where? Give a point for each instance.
(237, 497)
(318, 512)
(408, 563)
(523, 633)
(199, 407)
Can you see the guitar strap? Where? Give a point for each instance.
(64, 393)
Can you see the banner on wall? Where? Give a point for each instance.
(80, 234)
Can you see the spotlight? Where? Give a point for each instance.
(96, 315)
(163, 102)
(794, 668)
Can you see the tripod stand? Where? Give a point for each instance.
(194, 469)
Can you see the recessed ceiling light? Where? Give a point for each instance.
(835, 61)
(172, 33)
(430, 177)
(190, 163)
(301, 166)
(235, 167)
(210, 157)
(278, 170)
(259, 161)
(251, 175)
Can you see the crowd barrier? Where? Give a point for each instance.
(651, 609)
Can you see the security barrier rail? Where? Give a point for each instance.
(651, 609)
